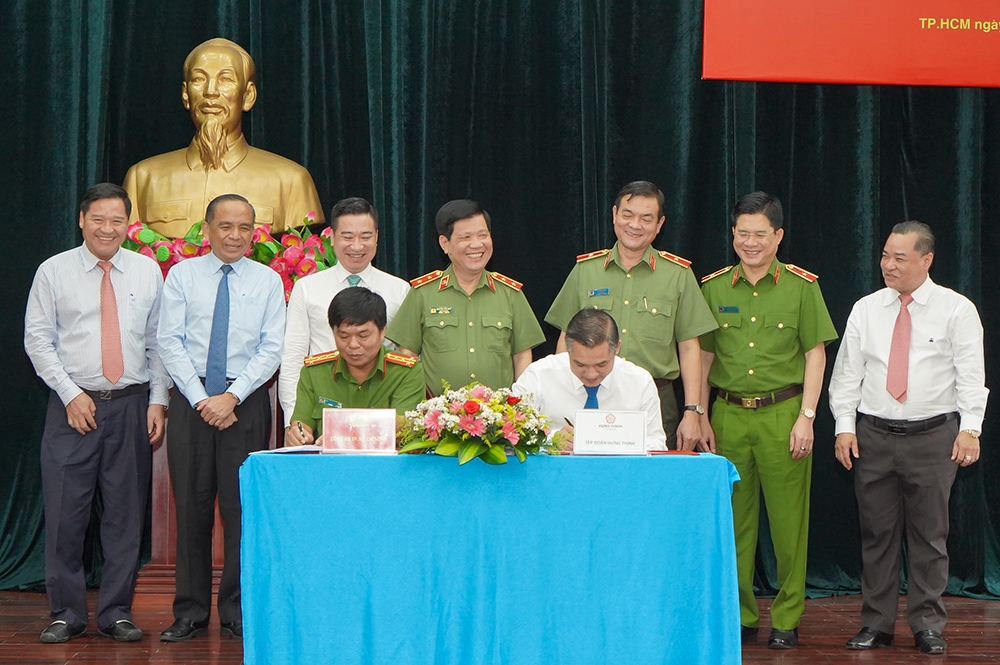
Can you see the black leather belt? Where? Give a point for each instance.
(909, 426)
(106, 395)
(762, 400)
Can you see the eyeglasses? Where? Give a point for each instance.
(757, 235)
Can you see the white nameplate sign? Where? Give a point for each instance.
(609, 433)
(359, 431)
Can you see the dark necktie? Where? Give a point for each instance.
(591, 397)
(218, 340)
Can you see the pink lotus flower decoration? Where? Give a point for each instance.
(305, 267)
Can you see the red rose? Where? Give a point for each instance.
(513, 399)
(471, 406)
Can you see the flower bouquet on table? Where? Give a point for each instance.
(475, 421)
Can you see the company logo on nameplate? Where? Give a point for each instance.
(609, 433)
(359, 431)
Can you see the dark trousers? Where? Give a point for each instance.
(669, 414)
(116, 457)
(903, 484)
(205, 461)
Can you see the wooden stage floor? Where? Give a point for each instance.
(973, 636)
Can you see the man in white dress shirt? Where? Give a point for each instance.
(908, 393)
(589, 374)
(90, 331)
(354, 222)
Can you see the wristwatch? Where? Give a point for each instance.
(974, 433)
(808, 413)
(697, 408)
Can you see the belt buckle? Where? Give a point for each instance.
(105, 395)
(750, 402)
(895, 427)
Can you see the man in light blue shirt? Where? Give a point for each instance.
(90, 331)
(220, 332)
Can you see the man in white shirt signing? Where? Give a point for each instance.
(908, 393)
(589, 374)
(354, 222)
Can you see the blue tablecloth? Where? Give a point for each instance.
(415, 560)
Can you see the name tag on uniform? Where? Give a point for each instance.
(728, 310)
(441, 310)
(598, 292)
(330, 403)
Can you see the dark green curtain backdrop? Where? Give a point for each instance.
(541, 109)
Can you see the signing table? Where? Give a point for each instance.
(415, 560)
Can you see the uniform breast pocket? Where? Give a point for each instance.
(139, 308)
(782, 324)
(728, 321)
(655, 320)
(168, 211)
(598, 302)
(441, 333)
(498, 333)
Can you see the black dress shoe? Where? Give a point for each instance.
(59, 631)
(184, 629)
(122, 630)
(930, 641)
(869, 638)
(748, 635)
(233, 629)
(783, 639)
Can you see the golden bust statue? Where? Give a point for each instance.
(171, 191)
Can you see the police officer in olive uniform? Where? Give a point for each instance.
(654, 298)
(767, 359)
(360, 374)
(466, 323)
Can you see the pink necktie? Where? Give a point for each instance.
(111, 337)
(899, 352)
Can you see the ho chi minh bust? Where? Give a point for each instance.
(171, 191)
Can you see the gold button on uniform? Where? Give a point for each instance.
(470, 324)
(753, 319)
(781, 325)
(625, 303)
(754, 294)
(654, 310)
(628, 275)
(624, 331)
(441, 323)
(725, 325)
(750, 372)
(751, 345)
(472, 350)
(473, 375)
(499, 324)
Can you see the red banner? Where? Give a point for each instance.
(905, 42)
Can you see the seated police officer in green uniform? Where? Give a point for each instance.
(468, 325)
(360, 374)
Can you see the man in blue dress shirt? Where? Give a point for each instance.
(90, 331)
(221, 325)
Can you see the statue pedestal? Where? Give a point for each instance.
(157, 576)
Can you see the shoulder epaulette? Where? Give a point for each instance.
(716, 274)
(400, 359)
(426, 279)
(804, 274)
(684, 263)
(504, 279)
(320, 358)
(592, 255)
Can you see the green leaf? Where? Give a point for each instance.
(448, 448)
(470, 451)
(495, 455)
(521, 455)
(418, 445)
(193, 234)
